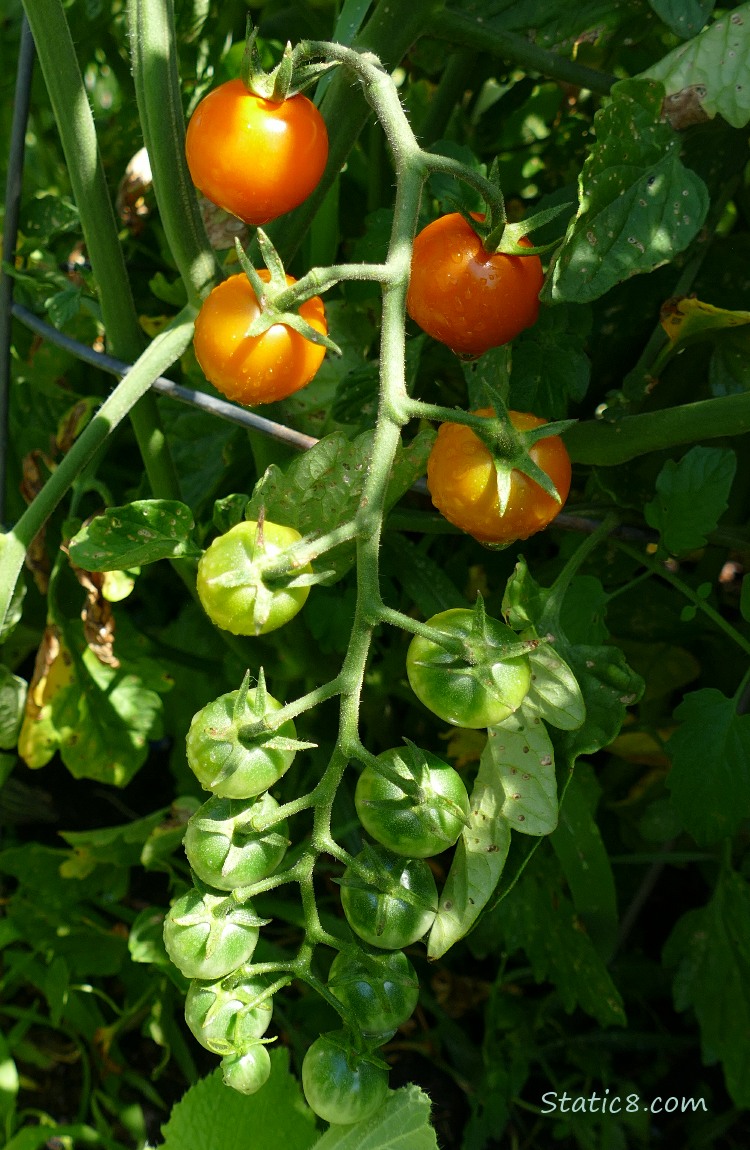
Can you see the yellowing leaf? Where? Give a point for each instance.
(691, 319)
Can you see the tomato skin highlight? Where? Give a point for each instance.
(254, 158)
(462, 482)
(468, 298)
(255, 369)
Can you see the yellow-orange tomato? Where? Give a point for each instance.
(261, 368)
(466, 297)
(254, 158)
(462, 480)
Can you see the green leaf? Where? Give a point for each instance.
(583, 857)
(550, 366)
(12, 700)
(423, 580)
(63, 306)
(39, 1137)
(554, 695)
(102, 717)
(638, 205)
(134, 535)
(212, 1116)
(323, 488)
(121, 845)
(401, 1123)
(538, 918)
(522, 754)
(710, 949)
(684, 17)
(714, 68)
(609, 686)
(745, 598)
(478, 861)
(710, 775)
(692, 496)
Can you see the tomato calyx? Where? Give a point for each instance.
(370, 871)
(287, 79)
(268, 292)
(257, 734)
(510, 448)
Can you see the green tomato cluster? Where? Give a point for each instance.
(471, 671)
(231, 842)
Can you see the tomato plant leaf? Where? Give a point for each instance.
(478, 861)
(710, 775)
(684, 17)
(714, 68)
(550, 366)
(522, 754)
(638, 204)
(424, 580)
(538, 917)
(554, 695)
(710, 949)
(12, 699)
(578, 844)
(691, 497)
(322, 488)
(401, 1123)
(134, 535)
(214, 1117)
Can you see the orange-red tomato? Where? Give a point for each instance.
(462, 480)
(466, 297)
(254, 158)
(261, 368)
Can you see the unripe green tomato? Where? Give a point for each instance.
(479, 688)
(395, 904)
(341, 1086)
(248, 1072)
(419, 824)
(223, 848)
(230, 579)
(378, 995)
(221, 1014)
(230, 767)
(208, 935)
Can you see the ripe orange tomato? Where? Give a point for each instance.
(462, 480)
(466, 297)
(254, 158)
(261, 368)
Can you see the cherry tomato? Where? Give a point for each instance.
(247, 1072)
(395, 904)
(466, 297)
(209, 935)
(232, 765)
(230, 579)
(417, 822)
(225, 850)
(477, 688)
(340, 1085)
(254, 158)
(222, 1017)
(462, 480)
(378, 991)
(260, 368)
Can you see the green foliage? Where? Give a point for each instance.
(558, 955)
(638, 204)
(691, 497)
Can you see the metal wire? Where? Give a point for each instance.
(199, 399)
(10, 233)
